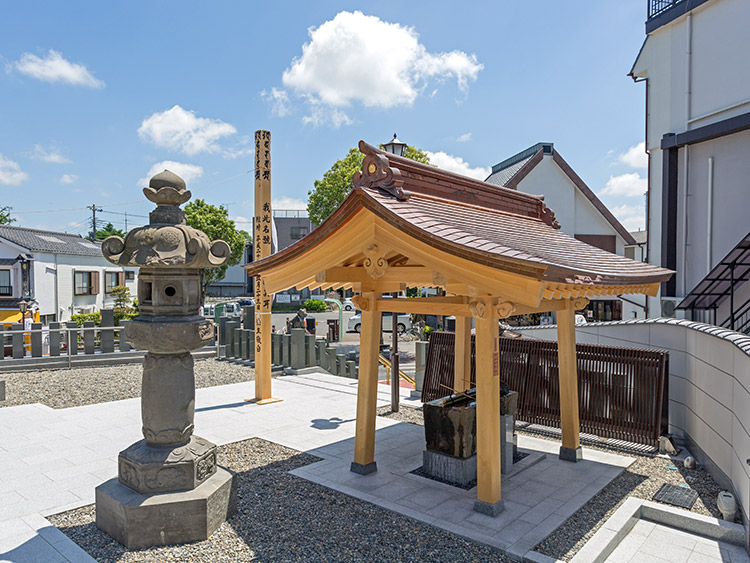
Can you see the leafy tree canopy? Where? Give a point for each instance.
(109, 231)
(5, 217)
(215, 222)
(336, 183)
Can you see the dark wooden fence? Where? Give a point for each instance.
(622, 392)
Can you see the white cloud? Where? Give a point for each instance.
(11, 173)
(359, 58)
(181, 130)
(187, 172)
(635, 156)
(68, 179)
(285, 202)
(55, 68)
(321, 114)
(243, 223)
(628, 185)
(51, 155)
(632, 217)
(281, 105)
(464, 138)
(458, 165)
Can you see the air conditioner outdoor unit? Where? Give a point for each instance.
(669, 306)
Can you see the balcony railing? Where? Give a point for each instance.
(658, 7)
(6, 290)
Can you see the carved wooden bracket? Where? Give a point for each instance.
(579, 303)
(375, 263)
(378, 173)
(478, 308)
(361, 303)
(505, 309)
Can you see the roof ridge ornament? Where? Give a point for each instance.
(378, 173)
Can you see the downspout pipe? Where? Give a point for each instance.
(710, 213)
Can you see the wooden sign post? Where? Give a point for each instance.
(262, 248)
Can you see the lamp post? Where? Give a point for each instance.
(394, 146)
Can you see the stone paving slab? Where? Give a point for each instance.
(534, 507)
(51, 460)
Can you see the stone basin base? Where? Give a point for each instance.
(137, 520)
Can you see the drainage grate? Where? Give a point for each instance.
(683, 497)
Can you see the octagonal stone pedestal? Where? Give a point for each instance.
(137, 520)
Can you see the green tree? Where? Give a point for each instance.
(122, 297)
(336, 183)
(215, 222)
(109, 231)
(5, 217)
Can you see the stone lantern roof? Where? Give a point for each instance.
(167, 242)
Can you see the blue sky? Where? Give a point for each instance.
(94, 96)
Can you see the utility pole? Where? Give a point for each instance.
(126, 221)
(94, 209)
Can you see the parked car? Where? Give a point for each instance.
(404, 322)
(247, 302)
(348, 305)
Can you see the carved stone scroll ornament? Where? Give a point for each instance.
(361, 303)
(375, 263)
(377, 173)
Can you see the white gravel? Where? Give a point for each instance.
(281, 517)
(62, 388)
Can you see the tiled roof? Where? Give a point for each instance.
(50, 241)
(503, 176)
(640, 237)
(490, 225)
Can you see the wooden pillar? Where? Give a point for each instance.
(489, 499)
(568, 374)
(462, 355)
(367, 387)
(262, 231)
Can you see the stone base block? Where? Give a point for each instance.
(489, 509)
(137, 520)
(448, 468)
(148, 469)
(570, 454)
(371, 467)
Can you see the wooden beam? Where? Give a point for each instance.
(488, 408)
(400, 274)
(548, 305)
(462, 355)
(425, 306)
(568, 374)
(367, 388)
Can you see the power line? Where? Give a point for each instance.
(125, 202)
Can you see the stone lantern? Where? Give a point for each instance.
(169, 489)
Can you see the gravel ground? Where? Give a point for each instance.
(641, 479)
(62, 388)
(281, 517)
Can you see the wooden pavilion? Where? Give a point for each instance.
(495, 251)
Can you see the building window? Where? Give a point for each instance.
(5, 287)
(111, 280)
(298, 233)
(86, 283)
(129, 275)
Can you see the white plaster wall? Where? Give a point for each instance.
(719, 78)
(70, 304)
(548, 180)
(709, 386)
(44, 273)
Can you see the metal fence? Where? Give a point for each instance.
(656, 7)
(622, 392)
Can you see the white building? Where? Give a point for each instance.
(64, 274)
(697, 77)
(541, 170)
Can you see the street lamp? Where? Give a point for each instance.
(394, 146)
(399, 149)
(23, 305)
